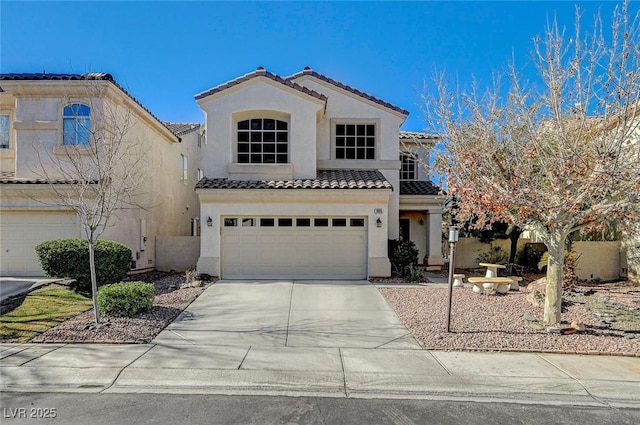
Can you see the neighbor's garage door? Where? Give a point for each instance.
(294, 247)
(20, 233)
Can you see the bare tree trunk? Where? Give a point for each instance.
(94, 281)
(553, 299)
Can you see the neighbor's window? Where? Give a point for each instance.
(76, 124)
(263, 141)
(185, 169)
(355, 141)
(4, 131)
(408, 167)
(200, 174)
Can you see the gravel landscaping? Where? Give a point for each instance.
(170, 300)
(492, 322)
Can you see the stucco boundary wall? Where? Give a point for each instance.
(177, 253)
(596, 260)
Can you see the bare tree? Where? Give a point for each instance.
(557, 154)
(101, 167)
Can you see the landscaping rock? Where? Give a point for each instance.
(529, 317)
(536, 298)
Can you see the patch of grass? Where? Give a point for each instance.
(42, 309)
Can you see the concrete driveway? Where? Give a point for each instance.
(300, 313)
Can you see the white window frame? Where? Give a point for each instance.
(200, 174)
(408, 160)
(76, 119)
(243, 157)
(357, 122)
(184, 163)
(9, 130)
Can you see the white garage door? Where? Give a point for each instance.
(20, 233)
(294, 247)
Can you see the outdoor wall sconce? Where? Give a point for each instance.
(421, 222)
(379, 222)
(209, 222)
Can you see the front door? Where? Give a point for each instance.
(404, 229)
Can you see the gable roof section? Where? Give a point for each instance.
(261, 72)
(410, 187)
(91, 76)
(180, 129)
(326, 179)
(416, 135)
(321, 77)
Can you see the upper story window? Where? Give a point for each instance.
(408, 170)
(5, 123)
(76, 124)
(263, 141)
(355, 141)
(200, 174)
(184, 175)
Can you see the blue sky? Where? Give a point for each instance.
(166, 52)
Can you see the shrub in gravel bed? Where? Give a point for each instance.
(126, 299)
(70, 258)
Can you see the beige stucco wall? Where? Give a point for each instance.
(177, 253)
(468, 249)
(165, 205)
(343, 106)
(260, 97)
(597, 260)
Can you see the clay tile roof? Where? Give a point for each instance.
(416, 135)
(309, 71)
(326, 179)
(180, 129)
(418, 188)
(261, 72)
(8, 177)
(99, 76)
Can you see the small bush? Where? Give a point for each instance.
(69, 258)
(126, 298)
(403, 256)
(529, 256)
(495, 255)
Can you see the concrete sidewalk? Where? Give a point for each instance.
(334, 339)
(334, 372)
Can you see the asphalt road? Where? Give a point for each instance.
(140, 409)
(11, 286)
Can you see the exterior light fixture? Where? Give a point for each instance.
(209, 222)
(379, 222)
(453, 234)
(421, 222)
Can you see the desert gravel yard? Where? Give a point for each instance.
(172, 297)
(610, 313)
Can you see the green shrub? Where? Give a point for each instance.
(69, 258)
(126, 298)
(495, 255)
(529, 256)
(403, 256)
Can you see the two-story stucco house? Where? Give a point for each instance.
(304, 177)
(43, 117)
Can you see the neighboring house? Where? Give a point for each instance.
(40, 114)
(302, 179)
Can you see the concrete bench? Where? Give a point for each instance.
(499, 284)
(458, 281)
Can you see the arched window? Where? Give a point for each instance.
(76, 124)
(263, 141)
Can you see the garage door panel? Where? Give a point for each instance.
(21, 232)
(294, 252)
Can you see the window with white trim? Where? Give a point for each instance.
(5, 123)
(355, 141)
(184, 176)
(263, 141)
(200, 174)
(408, 170)
(76, 125)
